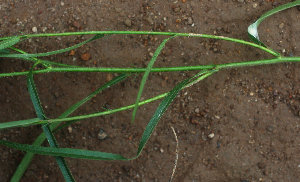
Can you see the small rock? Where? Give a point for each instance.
(161, 150)
(150, 21)
(44, 29)
(62, 3)
(85, 56)
(70, 129)
(72, 53)
(270, 128)
(281, 25)
(102, 135)
(13, 21)
(56, 94)
(254, 5)
(176, 10)
(197, 110)
(151, 54)
(211, 135)
(178, 20)
(76, 24)
(190, 20)
(109, 77)
(261, 165)
(240, 1)
(127, 22)
(34, 29)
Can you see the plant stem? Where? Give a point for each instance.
(162, 69)
(148, 33)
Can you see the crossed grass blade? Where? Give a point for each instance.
(9, 42)
(95, 155)
(146, 74)
(41, 138)
(48, 133)
(98, 36)
(252, 29)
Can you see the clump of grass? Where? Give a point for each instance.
(51, 126)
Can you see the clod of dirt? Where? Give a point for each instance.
(261, 165)
(34, 29)
(190, 20)
(13, 21)
(76, 24)
(127, 22)
(176, 10)
(150, 21)
(109, 77)
(102, 135)
(86, 56)
(178, 20)
(281, 25)
(72, 53)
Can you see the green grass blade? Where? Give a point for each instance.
(50, 137)
(161, 109)
(9, 42)
(26, 122)
(252, 29)
(45, 63)
(65, 152)
(53, 52)
(146, 74)
(95, 155)
(34, 95)
(4, 51)
(112, 82)
(29, 156)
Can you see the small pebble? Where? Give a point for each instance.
(240, 1)
(76, 24)
(109, 77)
(151, 54)
(85, 56)
(127, 22)
(197, 110)
(178, 21)
(211, 135)
(161, 150)
(281, 25)
(176, 10)
(254, 5)
(62, 3)
(190, 20)
(70, 129)
(102, 135)
(34, 29)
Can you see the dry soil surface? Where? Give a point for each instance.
(252, 112)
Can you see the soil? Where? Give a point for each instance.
(238, 125)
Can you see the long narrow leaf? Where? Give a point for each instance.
(146, 74)
(9, 42)
(161, 109)
(65, 152)
(252, 29)
(26, 122)
(95, 155)
(53, 52)
(50, 137)
(41, 138)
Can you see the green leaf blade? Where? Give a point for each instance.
(146, 74)
(9, 42)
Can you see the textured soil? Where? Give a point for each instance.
(253, 112)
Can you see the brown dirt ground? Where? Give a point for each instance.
(253, 112)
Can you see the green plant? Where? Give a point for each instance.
(52, 125)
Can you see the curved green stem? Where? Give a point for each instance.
(149, 33)
(162, 69)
